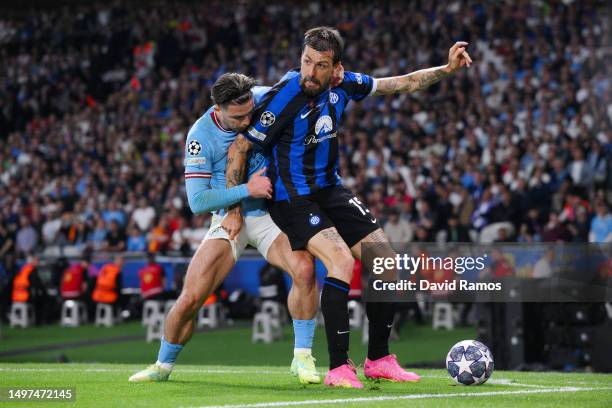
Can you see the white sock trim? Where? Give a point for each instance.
(302, 351)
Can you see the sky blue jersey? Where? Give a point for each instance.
(205, 157)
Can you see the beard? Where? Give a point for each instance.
(313, 91)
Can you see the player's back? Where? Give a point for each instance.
(206, 154)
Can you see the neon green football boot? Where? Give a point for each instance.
(303, 367)
(153, 373)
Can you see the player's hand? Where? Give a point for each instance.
(337, 76)
(260, 186)
(458, 56)
(232, 223)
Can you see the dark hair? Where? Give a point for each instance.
(232, 88)
(325, 39)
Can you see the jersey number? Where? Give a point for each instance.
(355, 201)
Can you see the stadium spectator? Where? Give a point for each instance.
(109, 283)
(74, 281)
(397, 229)
(27, 237)
(115, 239)
(93, 125)
(152, 280)
(601, 225)
(136, 241)
(28, 288)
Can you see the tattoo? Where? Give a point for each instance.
(412, 82)
(236, 163)
(376, 236)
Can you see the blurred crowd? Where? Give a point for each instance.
(97, 100)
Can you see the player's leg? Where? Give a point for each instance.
(380, 364)
(356, 225)
(329, 247)
(302, 302)
(211, 263)
(274, 245)
(308, 227)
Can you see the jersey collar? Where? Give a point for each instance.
(218, 123)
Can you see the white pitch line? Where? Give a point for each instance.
(405, 397)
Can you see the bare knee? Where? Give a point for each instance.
(304, 275)
(342, 267)
(188, 304)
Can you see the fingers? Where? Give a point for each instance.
(260, 171)
(457, 45)
(467, 58)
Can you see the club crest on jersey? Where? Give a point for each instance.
(194, 148)
(324, 125)
(359, 78)
(333, 97)
(267, 118)
(314, 220)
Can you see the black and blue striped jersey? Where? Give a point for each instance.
(300, 132)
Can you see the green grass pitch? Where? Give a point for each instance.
(223, 368)
(105, 385)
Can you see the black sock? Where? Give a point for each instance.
(334, 300)
(380, 316)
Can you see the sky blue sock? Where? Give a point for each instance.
(168, 352)
(304, 332)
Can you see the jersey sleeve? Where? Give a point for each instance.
(198, 156)
(198, 172)
(357, 86)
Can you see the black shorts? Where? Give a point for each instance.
(303, 217)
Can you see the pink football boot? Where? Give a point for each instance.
(344, 376)
(387, 368)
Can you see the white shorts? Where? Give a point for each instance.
(259, 232)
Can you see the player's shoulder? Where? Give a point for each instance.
(259, 92)
(355, 77)
(199, 140)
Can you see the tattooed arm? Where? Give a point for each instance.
(259, 186)
(415, 81)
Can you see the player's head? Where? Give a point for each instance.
(233, 99)
(321, 53)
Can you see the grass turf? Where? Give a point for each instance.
(237, 372)
(229, 346)
(106, 385)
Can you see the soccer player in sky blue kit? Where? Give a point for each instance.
(297, 123)
(235, 98)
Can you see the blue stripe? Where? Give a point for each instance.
(279, 102)
(340, 106)
(322, 154)
(337, 286)
(296, 156)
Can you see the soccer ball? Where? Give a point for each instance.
(470, 362)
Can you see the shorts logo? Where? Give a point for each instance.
(267, 118)
(314, 220)
(333, 97)
(194, 148)
(324, 125)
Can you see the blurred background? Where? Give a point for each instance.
(97, 98)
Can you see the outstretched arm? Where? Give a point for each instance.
(415, 81)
